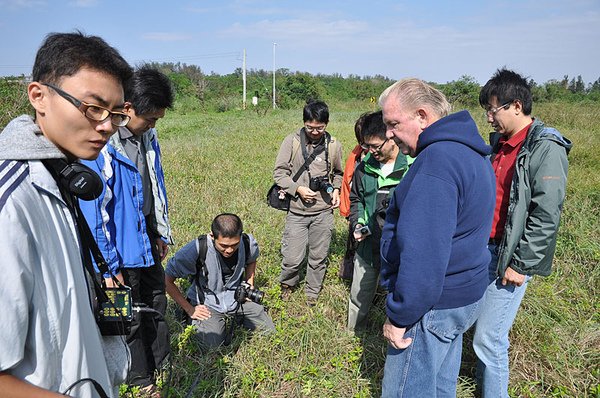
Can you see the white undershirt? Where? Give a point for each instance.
(386, 168)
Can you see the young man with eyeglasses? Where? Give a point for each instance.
(372, 186)
(314, 195)
(50, 344)
(130, 220)
(354, 158)
(530, 164)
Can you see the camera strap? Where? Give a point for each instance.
(82, 227)
(309, 158)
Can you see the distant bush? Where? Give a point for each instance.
(13, 99)
(462, 93)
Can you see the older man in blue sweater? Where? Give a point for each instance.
(433, 249)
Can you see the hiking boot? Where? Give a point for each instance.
(311, 301)
(286, 292)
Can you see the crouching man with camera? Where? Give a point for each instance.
(222, 266)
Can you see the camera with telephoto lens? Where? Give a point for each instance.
(320, 184)
(244, 291)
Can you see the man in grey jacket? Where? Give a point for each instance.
(316, 192)
(218, 263)
(50, 344)
(530, 163)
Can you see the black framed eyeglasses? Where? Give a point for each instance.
(493, 111)
(91, 111)
(374, 148)
(310, 129)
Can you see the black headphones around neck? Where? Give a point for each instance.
(75, 178)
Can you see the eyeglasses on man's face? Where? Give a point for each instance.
(318, 129)
(94, 112)
(492, 112)
(374, 148)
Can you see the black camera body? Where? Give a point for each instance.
(244, 291)
(114, 317)
(320, 183)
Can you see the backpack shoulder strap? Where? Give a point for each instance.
(295, 148)
(334, 144)
(201, 266)
(201, 260)
(246, 240)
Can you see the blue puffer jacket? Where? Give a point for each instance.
(116, 218)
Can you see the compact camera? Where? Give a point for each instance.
(363, 230)
(320, 184)
(244, 291)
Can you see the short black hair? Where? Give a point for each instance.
(316, 110)
(149, 90)
(226, 225)
(358, 126)
(507, 86)
(65, 54)
(373, 126)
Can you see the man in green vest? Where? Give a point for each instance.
(372, 186)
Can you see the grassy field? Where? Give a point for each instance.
(223, 163)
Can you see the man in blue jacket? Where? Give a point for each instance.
(130, 221)
(530, 163)
(434, 255)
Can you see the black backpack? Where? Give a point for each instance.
(201, 260)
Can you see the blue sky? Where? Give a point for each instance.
(437, 41)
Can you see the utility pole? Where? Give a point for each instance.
(244, 80)
(274, 105)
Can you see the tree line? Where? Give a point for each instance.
(196, 90)
(224, 92)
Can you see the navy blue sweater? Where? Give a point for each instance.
(434, 241)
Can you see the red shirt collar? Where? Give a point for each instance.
(517, 139)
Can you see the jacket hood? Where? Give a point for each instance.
(458, 127)
(538, 131)
(22, 139)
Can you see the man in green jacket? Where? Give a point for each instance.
(372, 186)
(530, 163)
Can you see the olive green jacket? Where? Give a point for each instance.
(535, 203)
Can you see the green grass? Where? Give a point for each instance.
(222, 162)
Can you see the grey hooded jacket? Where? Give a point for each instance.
(535, 203)
(49, 335)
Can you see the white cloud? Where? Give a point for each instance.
(166, 36)
(309, 32)
(84, 3)
(22, 3)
